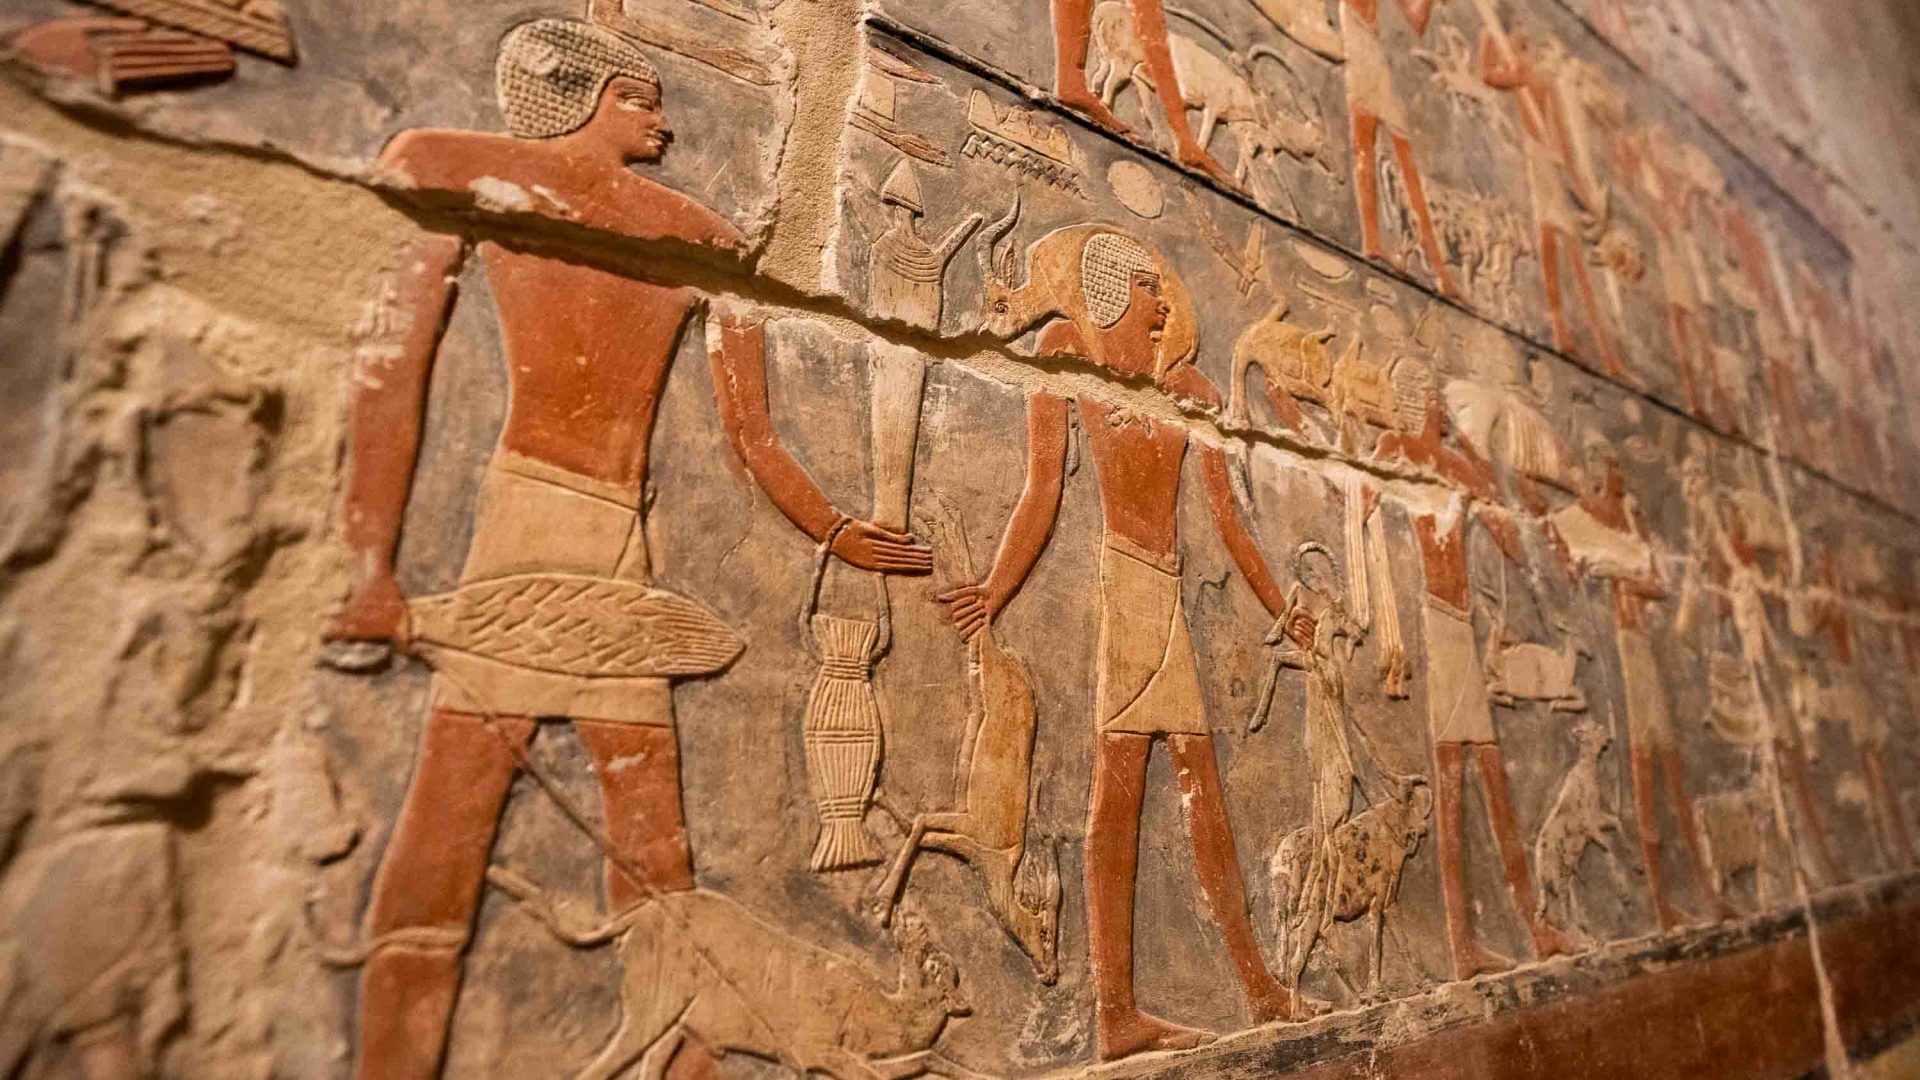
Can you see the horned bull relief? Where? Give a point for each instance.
(929, 686)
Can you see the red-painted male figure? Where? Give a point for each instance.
(588, 351)
(1147, 685)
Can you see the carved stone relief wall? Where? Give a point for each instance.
(711, 539)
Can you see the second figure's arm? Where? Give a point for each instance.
(1234, 533)
(974, 606)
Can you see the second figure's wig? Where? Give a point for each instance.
(550, 73)
(1107, 265)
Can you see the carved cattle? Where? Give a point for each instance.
(1366, 856)
(1295, 362)
(1219, 88)
(1361, 389)
(1737, 830)
(699, 966)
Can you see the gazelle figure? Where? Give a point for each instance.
(989, 833)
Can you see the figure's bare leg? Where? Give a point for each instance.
(1596, 320)
(1072, 33)
(638, 766)
(1366, 182)
(1113, 856)
(1794, 764)
(1548, 940)
(430, 878)
(1150, 30)
(1550, 276)
(1469, 958)
(1214, 856)
(1423, 214)
(1669, 760)
(1647, 811)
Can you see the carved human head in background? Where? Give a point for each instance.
(1121, 288)
(1108, 266)
(551, 74)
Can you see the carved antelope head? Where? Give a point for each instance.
(1034, 916)
(998, 272)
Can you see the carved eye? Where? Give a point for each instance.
(999, 307)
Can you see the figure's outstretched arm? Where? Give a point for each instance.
(383, 438)
(1187, 382)
(735, 346)
(974, 606)
(1227, 521)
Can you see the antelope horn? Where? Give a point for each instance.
(995, 266)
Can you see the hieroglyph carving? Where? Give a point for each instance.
(905, 273)
(1013, 139)
(876, 110)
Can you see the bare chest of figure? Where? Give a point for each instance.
(1138, 462)
(587, 353)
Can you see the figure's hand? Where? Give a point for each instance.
(971, 607)
(870, 547)
(376, 611)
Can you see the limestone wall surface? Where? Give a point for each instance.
(718, 539)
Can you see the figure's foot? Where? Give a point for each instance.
(1193, 157)
(1126, 1032)
(1277, 1004)
(1448, 287)
(1478, 961)
(1090, 106)
(1722, 910)
(1550, 940)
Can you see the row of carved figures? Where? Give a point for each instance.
(559, 616)
(1585, 154)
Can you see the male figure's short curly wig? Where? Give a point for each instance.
(1107, 266)
(550, 73)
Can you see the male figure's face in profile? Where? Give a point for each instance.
(1140, 327)
(630, 117)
